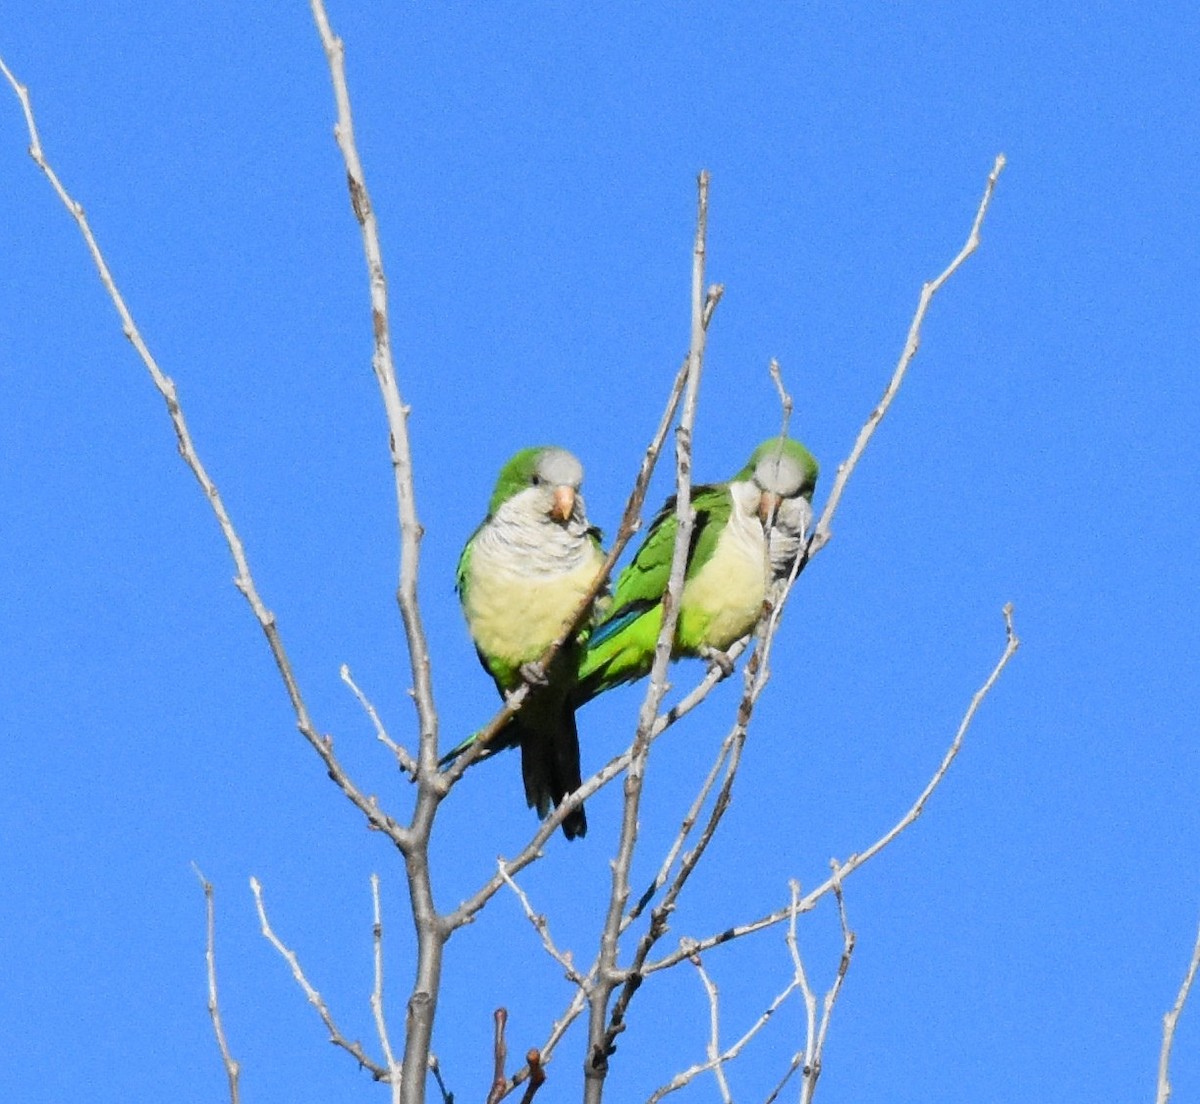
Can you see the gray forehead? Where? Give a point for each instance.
(780, 475)
(560, 468)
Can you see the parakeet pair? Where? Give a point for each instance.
(527, 567)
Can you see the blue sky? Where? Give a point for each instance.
(533, 170)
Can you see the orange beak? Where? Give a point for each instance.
(768, 507)
(564, 503)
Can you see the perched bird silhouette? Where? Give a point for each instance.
(521, 576)
(730, 565)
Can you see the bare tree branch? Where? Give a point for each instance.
(755, 677)
(542, 927)
(820, 537)
(633, 976)
(574, 1011)
(244, 581)
(731, 745)
(385, 374)
(614, 768)
(685, 829)
(232, 1066)
(715, 1059)
(537, 1075)
(436, 1069)
(385, 1041)
(793, 1065)
(405, 761)
(822, 533)
(785, 398)
(500, 1058)
(431, 932)
(857, 860)
(1170, 1019)
(352, 1047)
(599, 1033)
(814, 1045)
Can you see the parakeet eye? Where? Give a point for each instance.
(536, 480)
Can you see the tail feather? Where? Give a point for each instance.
(620, 650)
(550, 770)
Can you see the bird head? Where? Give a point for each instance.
(548, 477)
(781, 469)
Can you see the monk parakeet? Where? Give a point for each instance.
(729, 567)
(521, 576)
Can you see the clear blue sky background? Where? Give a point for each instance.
(533, 168)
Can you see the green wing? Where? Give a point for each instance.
(643, 582)
(463, 571)
(621, 646)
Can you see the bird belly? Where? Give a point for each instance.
(514, 618)
(723, 600)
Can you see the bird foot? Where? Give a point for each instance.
(717, 659)
(534, 673)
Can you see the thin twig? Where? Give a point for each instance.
(685, 828)
(796, 1062)
(785, 398)
(406, 761)
(431, 932)
(352, 1047)
(469, 908)
(600, 1031)
(537, 1075)
(1170, 1019)
(755, 678)
(620, 764)
(243, 580)
(436, 1069)
(732, 1052)
(733, 741)
(385, 1041)
(822, 533)
(558, 1029)
(814, 1045)
(812, 1065)
(713, 1047)
(542, 927)
(755, 686)
(232, 1066)
(857, 860)
(395, 409)
(499, 1058)
(614, 768)
(816, 541)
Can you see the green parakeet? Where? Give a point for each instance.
(521, 576)
(730, 565)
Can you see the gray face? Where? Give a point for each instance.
(559, 468)
(779, 475)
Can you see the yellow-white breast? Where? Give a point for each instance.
(723, 599)
(527, 575)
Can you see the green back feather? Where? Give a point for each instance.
(645, 579)
(621, 646)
